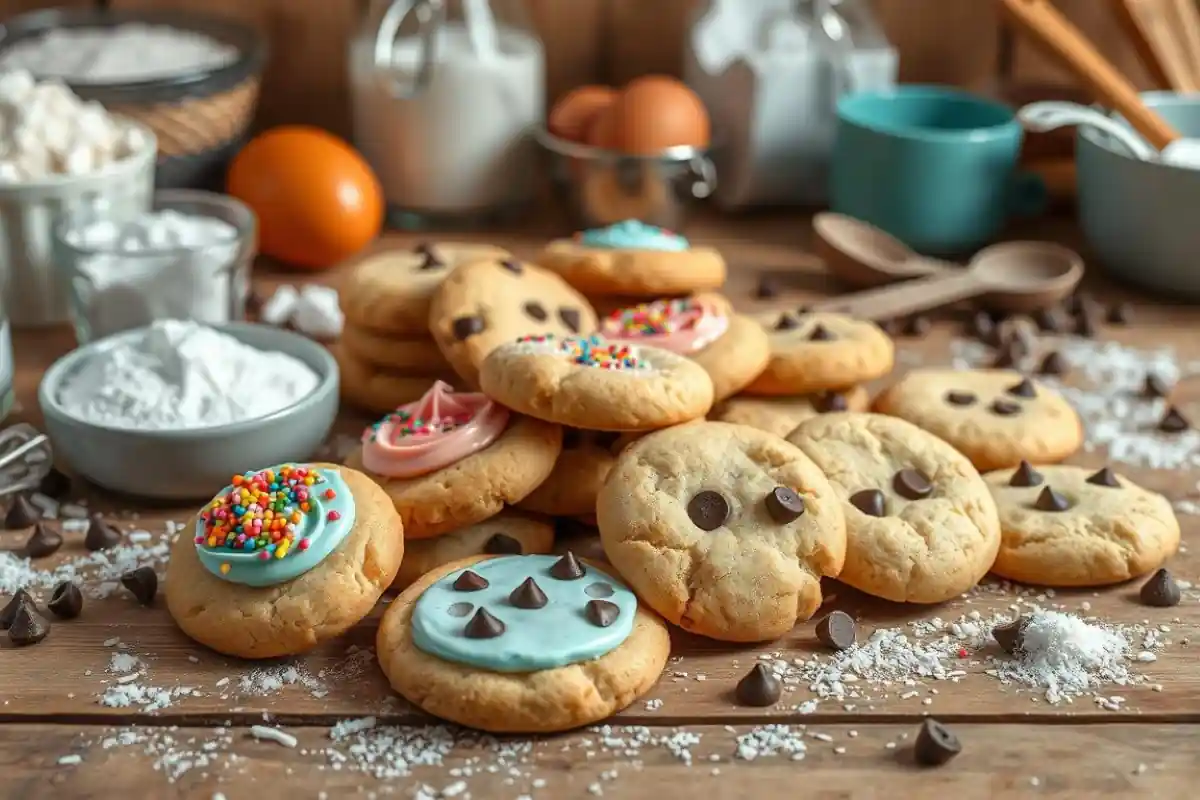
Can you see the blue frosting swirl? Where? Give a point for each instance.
(633, 235)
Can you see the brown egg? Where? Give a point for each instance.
(655, 112)
(575, 112)
(603, 131)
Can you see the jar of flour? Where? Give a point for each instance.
(445, 96)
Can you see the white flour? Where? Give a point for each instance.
(182, 375)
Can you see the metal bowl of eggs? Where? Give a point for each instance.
(640, 152)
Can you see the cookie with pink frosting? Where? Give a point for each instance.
(732, 348)
(452, 459)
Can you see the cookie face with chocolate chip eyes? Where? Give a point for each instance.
(921, 525)
(723, 529)
(996, 417)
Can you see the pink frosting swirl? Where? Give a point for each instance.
(681, 326)
(441, 428)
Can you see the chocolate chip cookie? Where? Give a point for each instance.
(819, 352)
(781, 415)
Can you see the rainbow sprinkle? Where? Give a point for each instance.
(658, 318)
(593, 351)
(263, 512)
(402, 424)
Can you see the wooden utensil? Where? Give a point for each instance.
(1149, 25)
(1065, 42)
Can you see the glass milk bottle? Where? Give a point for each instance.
(445, 96)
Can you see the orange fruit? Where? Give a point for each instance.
(316, 198)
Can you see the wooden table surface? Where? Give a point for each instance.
(187, 733)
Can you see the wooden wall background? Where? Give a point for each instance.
(941, 41)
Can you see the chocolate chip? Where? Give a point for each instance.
(42, 542)
(567, 568)
(535, 311)
(601, 613)
(1119, 314)
(767, 288)
(570, 318)
(1050, 500)
(911, 484)
(1105, 477)
(708, 510)
(1009, 356)
(784, 505)
(1025, 476)
(515, 267)
(8, 613)
(1155, 386)
(1085, 324)
(918, 325)
(468, 326)
(837, 630)
(869, 502)
(820, 333)
(831, 401)
(431, 261)
(67, 601)
(1011, 635)
(142, 583)
(483, 626)
(935, 744)
(528, 595)
(1161, 591)
(786, 322)
(28, 626)
(56, 484)
(21, 514)
(100, 535)
(1173, 421)
(759, 687)
(959, 398)
(1048, 320)
(982, 326)
(470, 581)
(503, 545)
(422, 248)
(1079, 302)
(1005, 408)
(1055, 363)
(1024, 388)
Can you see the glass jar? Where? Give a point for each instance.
(7, 363)
(445, 96)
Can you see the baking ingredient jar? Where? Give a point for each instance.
(446, 95)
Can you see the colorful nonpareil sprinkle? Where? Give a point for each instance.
(403, 424)
(592, 351)
(263, 511)
(658, 318)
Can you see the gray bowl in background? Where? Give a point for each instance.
(1139, 217)
(196, 463)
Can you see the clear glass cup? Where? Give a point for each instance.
(132, 281)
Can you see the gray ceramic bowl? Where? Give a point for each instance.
(1139, 217)
(197, 463)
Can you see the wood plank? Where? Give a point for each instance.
(573, 35)
(645, 38)
(10, 8)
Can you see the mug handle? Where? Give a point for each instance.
(1028, 195)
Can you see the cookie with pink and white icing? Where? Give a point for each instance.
(452, 459)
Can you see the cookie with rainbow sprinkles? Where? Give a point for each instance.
(284, 558)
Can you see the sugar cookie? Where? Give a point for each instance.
(1074, 526)
(389, 352)
(452, 459)
(723, 529)
(507, 533)
(375, 389)
(276, 592)
(996, 417)
(521, 644)
(921, 526)
(781, 415)
(571, 489)
(596, 384)
(634, 259)
(821, 351)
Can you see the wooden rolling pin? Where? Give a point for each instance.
(1067, 43)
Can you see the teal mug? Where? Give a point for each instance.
(931, 165)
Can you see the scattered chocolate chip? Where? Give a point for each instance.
(10, 609)
(869, 502)
(56, 484)
(959, 398)
(1024, 388)
(422, 248)
(826, 402)
(918, 325)
(1105, 477)
(28, 626)
(100, 535)
(837, 630)
(1119, 314)
(1079, 302)
(535, 311)
(1085, 324)
(528, 595)
(515, 267)
(466, 327)
(470, 581)
(1161, 591)
(570, 318)
(784, 505)
(1155, 386)
(767, 288)
(431, 261)
(1055, 363)
(708, 510)
(1025, 476)
(483, 626)
(935, 744)
(821, 334)
(1048, 320)
(503, 545)
(567, 568)
(1011, 635)
(67, 601)
(1005, 408)
(1050, 500)
(1008, 357)
(912, 484)
(21, 514)
(142, 583)
(42, 542)
(786, 322)
(1173, 421)
(982, 326)
(601, 613)
(759, 687)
